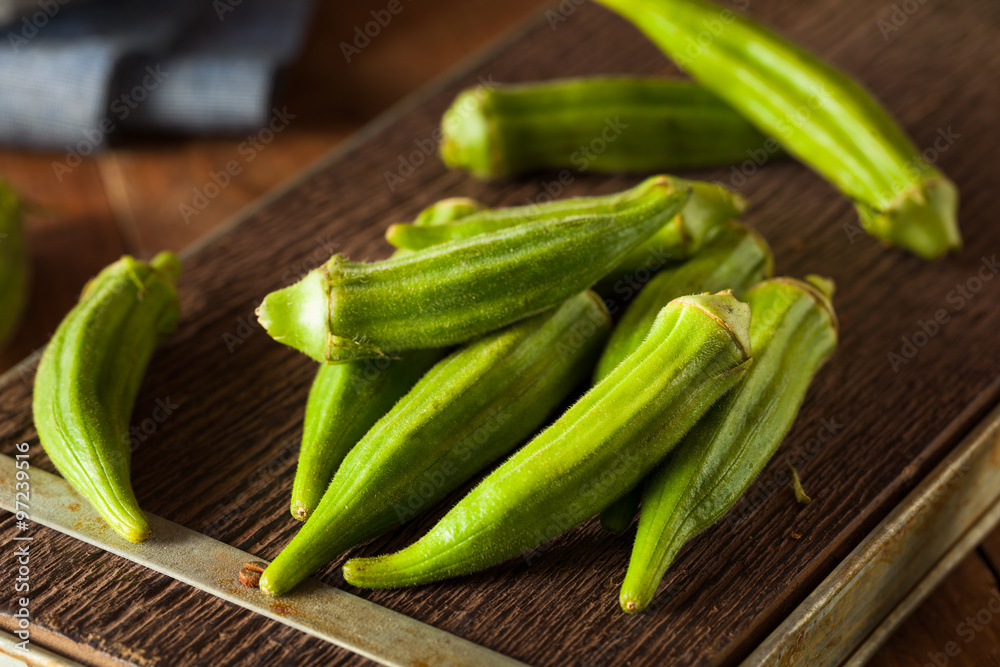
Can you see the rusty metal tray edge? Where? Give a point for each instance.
(855, 609)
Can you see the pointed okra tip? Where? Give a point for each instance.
(631, 603)
(300, 512)
(138, 533)
(728, 311)
(272, 582)
(447, 210)
(130, 523)
(923, 218)
(298, 315)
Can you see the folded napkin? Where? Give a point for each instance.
(74, 73)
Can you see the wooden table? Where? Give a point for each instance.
(128, 200)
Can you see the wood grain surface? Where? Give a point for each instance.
(222, 462)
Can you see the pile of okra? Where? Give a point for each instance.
(453, 357)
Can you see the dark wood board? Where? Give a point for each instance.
(222, 462)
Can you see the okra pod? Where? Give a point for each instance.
(470, 409)
(794, 330)
(346, 400)
(603, 124)
(447, 210)
(14, 263)
(617, 517)
(736, 257)
(818, 113)
(708, 206)
(89, 376)
(458, 290)
(601, 447)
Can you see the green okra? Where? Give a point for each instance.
(617, 517)
(447, 210)
(470, 409)
(346, 400)
(604, 124)
(14, 263)
(602, 446)
(89, 375)
(794, 330)
(736, 257)
(708, 206)
(456, 291)
(816, 112)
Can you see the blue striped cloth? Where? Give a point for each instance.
(74, 73)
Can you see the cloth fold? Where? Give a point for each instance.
(71, 74)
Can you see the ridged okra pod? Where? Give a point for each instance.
(682, 236)
(602, 446)
(604, 124)
(346, 400)
(14, 263)
(456, 291)
(88, 378)
(617, 517)
(794, 330)
(470, 409)
(816, 112)
(735, 258)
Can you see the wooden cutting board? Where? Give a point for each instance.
(221, 462)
